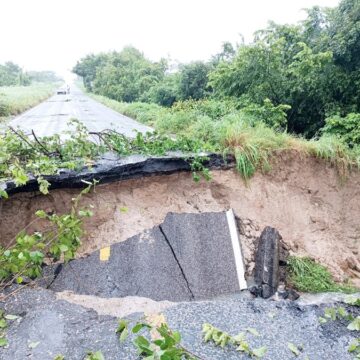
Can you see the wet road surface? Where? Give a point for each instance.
(52, 116)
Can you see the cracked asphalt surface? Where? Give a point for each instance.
(51, 116)
(159, 264)
(60, 327)
(187, 257)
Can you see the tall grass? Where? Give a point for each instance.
(308, 276)
(228, 130)
(16, 99)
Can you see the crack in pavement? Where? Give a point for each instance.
(57, 272)
(177, 261)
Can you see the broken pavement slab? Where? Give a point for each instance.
(187, 257)
(112, 168)
(267, 262)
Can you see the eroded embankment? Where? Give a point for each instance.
(303, 198)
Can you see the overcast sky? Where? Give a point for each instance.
(54, 34)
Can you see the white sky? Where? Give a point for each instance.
(54, 34)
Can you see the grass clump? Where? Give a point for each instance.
(306, 275)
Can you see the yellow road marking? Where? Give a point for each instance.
(105, 253)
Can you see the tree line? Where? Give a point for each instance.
(312, 68)
(12, 74)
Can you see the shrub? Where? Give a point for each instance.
(347, 128)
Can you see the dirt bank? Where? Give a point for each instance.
(302, 197)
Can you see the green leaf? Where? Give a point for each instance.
(19, 280)
(124, 335)
(352, 300)
(143, 345)
(33, 345)
(177, 336)
(253, 331)
(3, 342)
(59, 357)
(63, 247)
(4, 194)
(342, 312)
(3, 324)
(260, 352)
(354, 345)
(294, 349)
(124, 209)
(330, 313)
(123, 324)
(140, 326)
(95, 356)
(41, 214)
(355, 324)
(11, 317)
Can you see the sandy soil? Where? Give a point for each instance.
(316, 214)
(119, 307)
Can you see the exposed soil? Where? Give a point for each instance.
(316, 214)
(118, 307)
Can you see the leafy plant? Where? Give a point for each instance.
(24, 156)
(24, 256)
(294, 349)
(3, 326)
(222, 339)
(339, 313)
(347, 128)
(354, 348)
(166, 346)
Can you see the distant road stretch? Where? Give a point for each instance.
(51, 116)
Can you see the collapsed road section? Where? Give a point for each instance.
(167, 244)
(187, 257)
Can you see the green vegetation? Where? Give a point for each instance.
(293, 82)
(310, 71)
(244, 132)
(222, 339)
(340, 313)
(167, 344)
(308, 276)
(24, 256)
(22, 155)
(13, 75)
(97, 355)
(354, 348)
(16, 99)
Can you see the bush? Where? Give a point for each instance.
(215, 109)
(272, 116)
(347, 128)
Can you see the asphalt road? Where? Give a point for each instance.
(52, 116)
(47, 326)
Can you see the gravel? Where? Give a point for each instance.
(64, 328)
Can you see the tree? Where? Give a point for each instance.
(193, 82)
(87, 67)
(10, 74)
